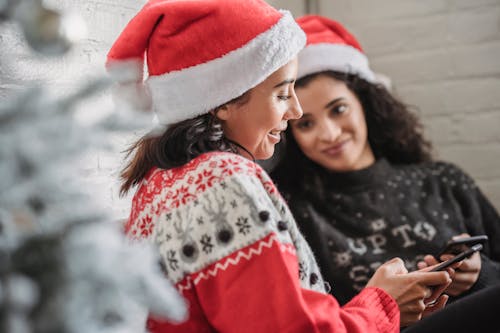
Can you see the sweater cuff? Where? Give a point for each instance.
(378, 300)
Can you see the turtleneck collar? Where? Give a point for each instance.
(374, 174)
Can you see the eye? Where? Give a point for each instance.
(304, 124)
(339, 109)
(284, 97)
(284, 94)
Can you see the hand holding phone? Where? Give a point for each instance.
(459, 257)
(459, 245)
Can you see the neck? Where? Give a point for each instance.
(245, 153)
(242, 150)
(366, 160)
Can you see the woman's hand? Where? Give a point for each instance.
(466, 274)
(432, 307)
(412, 291)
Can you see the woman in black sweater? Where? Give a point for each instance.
(360, 179)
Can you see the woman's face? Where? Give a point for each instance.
(258, 123)
(333, 130)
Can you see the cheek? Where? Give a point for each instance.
(265, 115)
(358, 123)
(305, 141)
(363, 129)
(277, 112)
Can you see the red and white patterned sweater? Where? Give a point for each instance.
(231, 246)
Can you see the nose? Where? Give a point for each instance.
(295, 110)
(329, 131)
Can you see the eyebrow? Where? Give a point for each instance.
(331, 103)
(284, 82)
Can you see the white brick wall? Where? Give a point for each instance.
(19, 67)
(104, 21)
(444, 57)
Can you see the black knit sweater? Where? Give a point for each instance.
(357, 220)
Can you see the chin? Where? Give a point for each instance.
(264, 155)
(338, 167)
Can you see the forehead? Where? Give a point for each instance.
(322, 88)
(322, 82)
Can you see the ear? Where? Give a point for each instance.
(223, 112)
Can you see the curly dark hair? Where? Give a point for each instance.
(177, 145)
(394, 131)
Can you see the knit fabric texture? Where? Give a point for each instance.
(355, 221)
(229, 243)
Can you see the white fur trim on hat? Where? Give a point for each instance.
(321, 57)
(196, 90)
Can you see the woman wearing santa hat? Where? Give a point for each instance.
(358, 176)
(221, 79)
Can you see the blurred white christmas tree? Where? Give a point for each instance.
(64, 267)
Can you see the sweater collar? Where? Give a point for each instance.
(374, 174)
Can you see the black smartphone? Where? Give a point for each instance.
(456, 246)
(459, 257)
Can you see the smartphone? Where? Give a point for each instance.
(456, 246)
(459, 257)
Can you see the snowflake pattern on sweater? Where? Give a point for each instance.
(215, 206)
(231, 246)
(357, 220)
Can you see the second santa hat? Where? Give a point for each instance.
(331, 47)
(201, 54)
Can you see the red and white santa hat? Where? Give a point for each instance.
(202, 54)
(331, 47)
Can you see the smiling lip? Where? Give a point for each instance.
(335, 150)
(275, 137)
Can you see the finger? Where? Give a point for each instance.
(464, 235)
(436, 292)
(451, 272)
(462, 284)
(395, 266)
(464, 278)
(430, 267)
(421, 264)
(455, 290)
(439, 281)
(472, 264)
(466, 265)
(428, 277)
(456, 265)
(446, 256)
(438, 305)
(427, 292)
(426, 269)
(430, 260)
